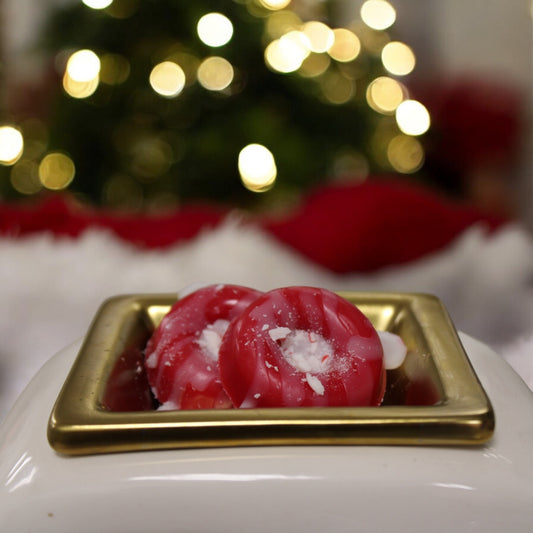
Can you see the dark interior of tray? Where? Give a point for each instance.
(415, 383)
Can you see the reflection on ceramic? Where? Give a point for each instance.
(364, 488)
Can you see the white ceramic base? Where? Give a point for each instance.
(352, 489)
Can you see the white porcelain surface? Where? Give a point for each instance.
(283, 489)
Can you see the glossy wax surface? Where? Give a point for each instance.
(257, 372)
(181, 371)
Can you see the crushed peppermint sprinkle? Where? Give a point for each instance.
(306, 351)
(279, 333)
(269, 365)
(168, 406)
(211, 337)
(315, 383)
(265, 327)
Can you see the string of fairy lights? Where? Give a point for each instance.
(295, 47)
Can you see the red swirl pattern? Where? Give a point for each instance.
(182, 373)
(256, 372)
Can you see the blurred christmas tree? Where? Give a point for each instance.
(166, 101)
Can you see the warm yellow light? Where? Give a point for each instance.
(320, 36)
(314, 65)
(378, 14)
(80, 89)
(412, 117)
(346, 45)
(97, 4)
(275, 5)
(257, 168)
(398, 58)
(215, 29)
(167, 79)
(282, 22)
(215, 73)
(337, 88)
(11, 145)
(287, 53)
(373, 41)
(24, 177)
(188, 62)
(56, 171)
(83, 66)
(384, 95)
(405, 154)
(151, 157)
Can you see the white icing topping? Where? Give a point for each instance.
(394, 350)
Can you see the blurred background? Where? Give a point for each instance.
(144, 105)
(146, 145)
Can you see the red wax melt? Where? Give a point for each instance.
(181, 357)
(302, 346)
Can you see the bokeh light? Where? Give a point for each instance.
(122, 9)
(151, 157)
(56, 171)
(97, 4)
(11, 145)
(80, 89)
(167, 79)
(384, 95)
(405, 154)
(314, 65)
(336, 88)
(24, 177)
(215, 73)
(275, 5)
(215, 29)
(320, 37)
(257, 168)
(346, 45)
(83, 66)
(282, 22)
(372, 41)
(412, 117)
(287, 53)
(398, 58)
(378, 14)
(188, 62)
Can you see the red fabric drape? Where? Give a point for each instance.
(345, 228)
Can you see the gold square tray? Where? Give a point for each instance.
(434, 398)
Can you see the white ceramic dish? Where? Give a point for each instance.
(275, 488)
